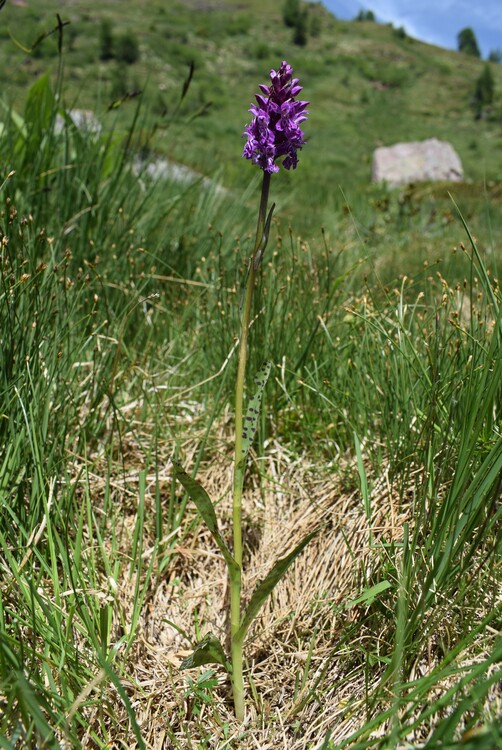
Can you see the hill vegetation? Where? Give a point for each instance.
(368, 84)
(379, 313)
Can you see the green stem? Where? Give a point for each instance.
(237, 678)
(239, 462)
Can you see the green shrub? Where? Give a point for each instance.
(315, 26)
(290, 13)
(127, 48)
(118, 81)
(184, 54)
(300, 32)
(106, 47)
(259, 51)
(484, 91)
(400, 32)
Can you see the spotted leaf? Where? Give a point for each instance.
(253, 410)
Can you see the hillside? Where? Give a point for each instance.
(367, 85)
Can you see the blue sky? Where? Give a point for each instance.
(434, 21)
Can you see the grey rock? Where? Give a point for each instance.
(417, 161)
(84, 120)
(163, 169)
(158, 169)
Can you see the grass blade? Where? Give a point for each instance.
(127, 704)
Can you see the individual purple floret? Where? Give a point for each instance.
(275, 128)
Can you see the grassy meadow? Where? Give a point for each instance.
(119, 321)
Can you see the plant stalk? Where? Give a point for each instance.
(239, 460)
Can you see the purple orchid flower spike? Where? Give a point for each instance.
(275, 130)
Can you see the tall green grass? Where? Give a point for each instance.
(78, 295)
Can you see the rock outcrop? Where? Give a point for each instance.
(419, 161)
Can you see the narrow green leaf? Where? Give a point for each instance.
(20, 123)
(363, 478)
(34, 708)
(265, 587)
(127, 704)
(5, 744)
(205, 507)
(253, 410)
(199, 496)
(187, 81)
(40, 104)
(369, 595)
(481, 266)
(208, 651)
(264, 240)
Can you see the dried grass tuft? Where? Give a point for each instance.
(292, 645)
(305, 652)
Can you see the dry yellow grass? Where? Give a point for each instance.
(301, 680)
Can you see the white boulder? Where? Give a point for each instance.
(419, 161)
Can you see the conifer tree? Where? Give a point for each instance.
(468, 43)
(484, 91)
(300, 32)
(291, 12)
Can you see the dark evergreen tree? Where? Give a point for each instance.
(484, 92)
(291, 12)
(300, 32)
(127, 48)
(467, 42)
(365, 15)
